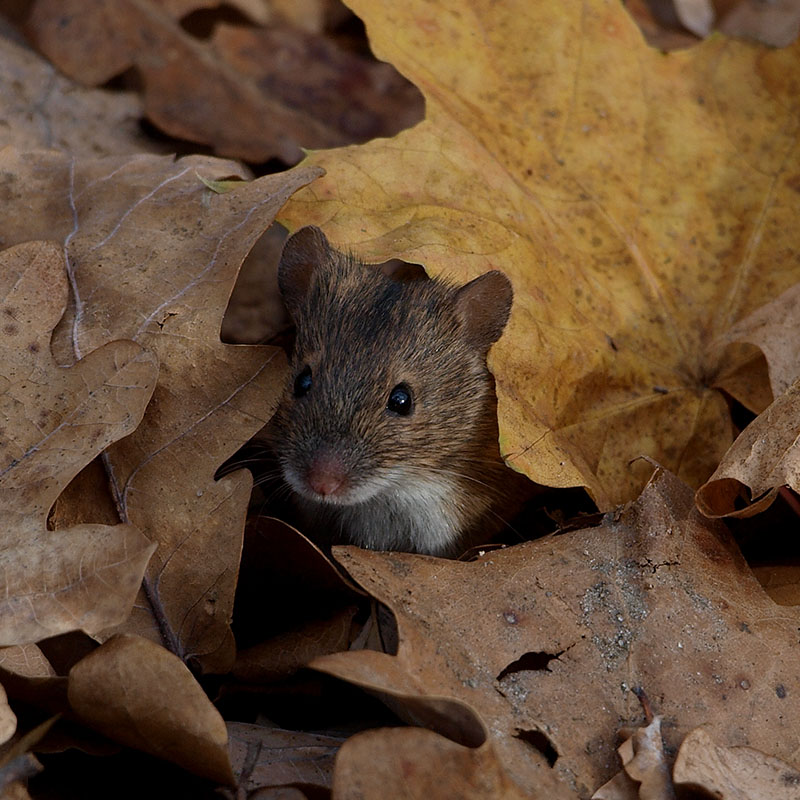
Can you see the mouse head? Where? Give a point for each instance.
(389, 377)
(483, 305)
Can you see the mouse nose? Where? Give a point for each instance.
(326, 474)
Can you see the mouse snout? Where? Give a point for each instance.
(327, 474)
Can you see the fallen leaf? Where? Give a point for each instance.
(775, 23)
(8, 719)
(775, 330)
(55, 421)
(656, 597)
(264, 757)
(286, 653)
(733, 773)
(401, 766)
(781, 582)
(42, 108)
(639, 202)
(142, 696)
(764, 457)
(244, 91)
(153, 255)
(696, 15)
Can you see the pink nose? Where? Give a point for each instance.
(326, 475)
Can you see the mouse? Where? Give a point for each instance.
(386, 434)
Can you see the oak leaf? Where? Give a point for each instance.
(153, 255)
(140, 695)
(55, 421)
(656, 597)
(244, 91)
(733, 773)
(639, 202)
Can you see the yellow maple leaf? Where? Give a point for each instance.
(641, 203)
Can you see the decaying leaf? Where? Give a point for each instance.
(264, 757)
(245, 91)
(764, 457)
(137, 693)
(153, 255)
(8, 719)
(642, 203)
(408, 763)
(656, 597)
(42, 108)
(775, 330)
(55, 420)
(733, 773)
(645, 774)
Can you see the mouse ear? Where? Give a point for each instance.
(483, 305)
(302, 253)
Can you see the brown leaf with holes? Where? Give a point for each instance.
(245, 91)
(140, 695)
(153, 255)
(55, 420)
(656, 597)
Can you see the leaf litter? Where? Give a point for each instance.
(513, 672)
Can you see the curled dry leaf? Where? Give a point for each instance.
(153, 255)
(764, 457)
(55, 420)
(733, 773)
(8, 719)
(656, 597)
(142, 696)
(245, 91)
(263, 757)
(645, 774)
(401, 766)
(639, 202)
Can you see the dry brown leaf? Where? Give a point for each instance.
(764, 457)
(657, 597)
(8, 719)
(142, 696)
(42, 108)
(776, 22)
(733, 773)
(55, 421)
(245, 92)
(645, 774)
(286, 653)
(775, 329)
(696, 15)
(639, 202)
(264, 757)
(781, 582)
(153, 256)
(409, 763)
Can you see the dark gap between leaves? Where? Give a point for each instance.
(538, 741)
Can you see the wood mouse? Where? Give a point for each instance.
(386, 433)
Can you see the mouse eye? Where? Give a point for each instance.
(302, 383)
(400, 401)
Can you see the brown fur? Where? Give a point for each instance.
(435, 478)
